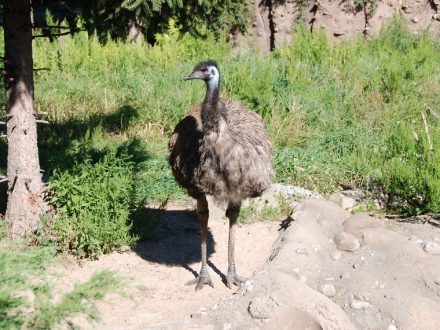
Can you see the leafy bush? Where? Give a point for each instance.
(94, 203)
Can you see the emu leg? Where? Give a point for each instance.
(203, 216)
(232, 278)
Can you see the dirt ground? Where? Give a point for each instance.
(321, 268)
(158, 270)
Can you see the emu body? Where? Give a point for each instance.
(221, 149)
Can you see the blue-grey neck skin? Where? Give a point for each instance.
(212, 86)
(210, 110)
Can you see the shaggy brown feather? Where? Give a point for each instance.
(231, 163)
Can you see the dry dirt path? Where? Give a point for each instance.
(158, 270)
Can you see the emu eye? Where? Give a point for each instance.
(203, 70)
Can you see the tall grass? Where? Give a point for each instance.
(340, 114)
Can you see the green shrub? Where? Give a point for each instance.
(94, 203)
(26, 293)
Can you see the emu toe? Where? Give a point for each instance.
(201, 280)
(234, 279)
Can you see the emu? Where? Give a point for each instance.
(220, 149)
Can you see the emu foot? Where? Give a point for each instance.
(201, 280)
(233, 278)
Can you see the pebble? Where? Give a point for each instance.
(262, 307)
(392, 327)
(227, 326)
(200, 313)
(327, 290)
(316, 248)
(437, 281)
(301, 278)
(347, 242)
(415, 19)
(345, 275)
(362, 297)
(432, 248)
(379, 284)
(303, 251)
(359, 304)
(336, 255)
(356, 266)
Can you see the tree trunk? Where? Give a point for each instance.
(25, 202)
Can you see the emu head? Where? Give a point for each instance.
(207, 71)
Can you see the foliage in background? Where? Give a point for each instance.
(26, 296)
(115, 18)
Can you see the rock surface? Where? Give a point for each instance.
(274, 21)
(390, 283)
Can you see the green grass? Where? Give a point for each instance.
(27, 295)
(340, 114)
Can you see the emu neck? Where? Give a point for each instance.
(211, 110)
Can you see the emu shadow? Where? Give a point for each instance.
(174, 239)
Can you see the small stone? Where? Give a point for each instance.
(316, 248)
(303, 251)
(359, 304)
(435, 16)
(227, 326)
(356, 266)
(345, 275)
(392, 327)
(338, 34)
(262, 307)
(200, 313)
(302, 278)
(437, 281)
(362, 297)
(432, 248)
(415, 19)
(336, 255)
(347, 242)
(327, 290)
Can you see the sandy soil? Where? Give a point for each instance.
(159, 270)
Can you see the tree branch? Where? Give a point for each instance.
(51, 35)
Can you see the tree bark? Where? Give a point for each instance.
(25, 187)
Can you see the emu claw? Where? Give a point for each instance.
(201, 280)
(233, 278)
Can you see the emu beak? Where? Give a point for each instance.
(194, 75)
